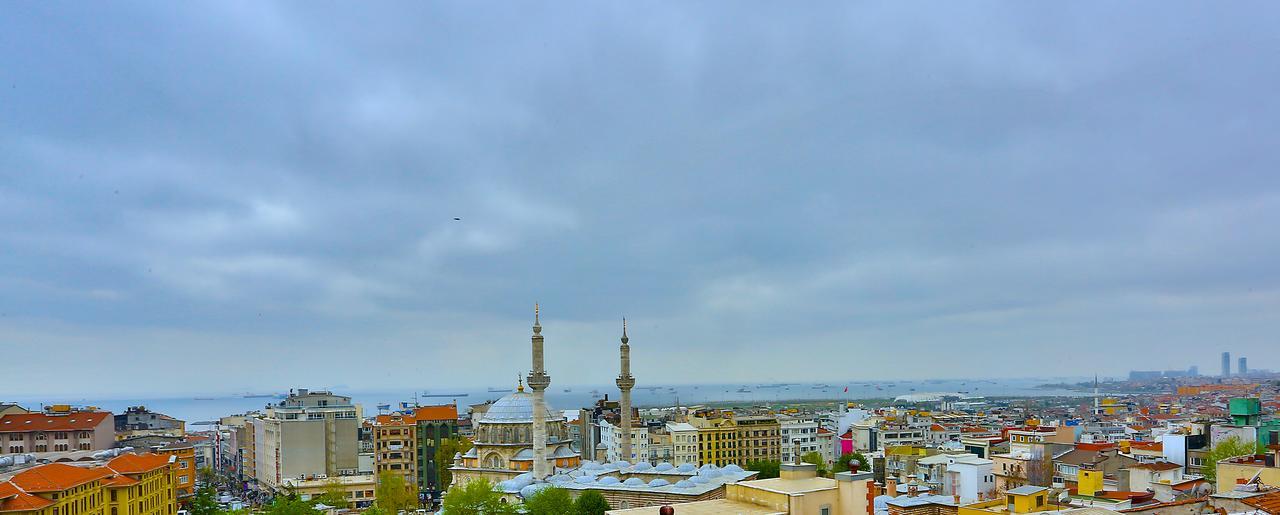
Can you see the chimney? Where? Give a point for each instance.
(666, 510)
(891, 486)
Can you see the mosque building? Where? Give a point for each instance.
(522, 447)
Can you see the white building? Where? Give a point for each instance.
(801, 431)
(971, 477)
(308, 435)
(611, 440)
(684, 443)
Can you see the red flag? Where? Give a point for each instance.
(846, 389)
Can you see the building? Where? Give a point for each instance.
(1242, 367)
(57, 430)
(717, 440)
(434, 424)
(359, 489)
(139, 421)
(798, 490)
(1262, 468)
(309, 434)
(127, 484)
(684, 443)
(798, 431)
(185, 470)
(1226, 364)
(395, 448)
(613, 439)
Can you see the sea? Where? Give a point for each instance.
(200, 410)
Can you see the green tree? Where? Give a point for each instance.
(815, 458)
(393, 495)
(290, 505)
(549, 501)
(766, 468)
(842, 464)
(374, 510)
(591, 502)
(477, 497)
(444, 458)
(334, 494)
(203, 503)
(1229, 447)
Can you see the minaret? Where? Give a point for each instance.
(1097, 407)
(625, 383)
(539, 381)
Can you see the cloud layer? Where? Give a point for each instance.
(235, 195)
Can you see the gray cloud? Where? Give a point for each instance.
(952, 189)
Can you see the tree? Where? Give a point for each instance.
(842, 463)
(334, 494)
(591, 502)
(477, 497)
(203, 503)
(393, 495)
(1229, 447)
(208, 477)
(444, 458)
(815, 458)
(765, 468)
(549, 501)
(291, 505)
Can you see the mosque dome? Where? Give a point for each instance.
(685, 483)
(662, 467)
(686, 467)
(635, 481)
(608, 480)
(732, 468)
(515, 408)
(658, 482)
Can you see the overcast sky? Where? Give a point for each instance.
(245, 195)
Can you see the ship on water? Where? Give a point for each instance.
(429, 394)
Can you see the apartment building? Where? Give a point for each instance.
(56, 431)
(798, 431)
(309, 434)
(717, 440)
(128, 484)
(684, 443)
(759, 438)
(395, 447)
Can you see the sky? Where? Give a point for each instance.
(231, 196)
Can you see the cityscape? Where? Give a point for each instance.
(274, 257)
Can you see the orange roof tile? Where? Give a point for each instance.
(1157, 466)
(441, 412)
(54, 477)
(397, 419)
(117, 481)
(13, 498)
(1269, 502)
(78, 421)
(137, 463)
(1147, 446)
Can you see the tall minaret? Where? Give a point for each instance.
(625, 383)
(1097, 407)
(539, 381)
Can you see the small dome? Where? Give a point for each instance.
(658, 482)
(564, 452)
(702, 480)
(584, 480)
(622, 464)
(685, 483)
(732, 468)
(523, 455)
(528, 491)
(710, 473)
(687, 467)
(608, 480)
(664, 466)
(644, 465)
(527, 476)
(559, 478)
(708, 466)
(635, 481)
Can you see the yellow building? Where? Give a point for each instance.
(184, 467)
(129, 484)
(1024, 499)
(759, 438)
(1233, 471)
(717, 440)
(358, 488)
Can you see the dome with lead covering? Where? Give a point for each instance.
(528, 491)
(685, 483)
(687, 467)
(658, 482)
(663, 467)
(732, 468)
(514, 408)
(608, 480)
(635, 481)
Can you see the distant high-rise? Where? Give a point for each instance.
(1226, 364)
(1243, 367)
(1193, 371)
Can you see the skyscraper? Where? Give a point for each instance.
(1226, 364)
(1242, 368)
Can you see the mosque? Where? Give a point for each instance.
(522, 447)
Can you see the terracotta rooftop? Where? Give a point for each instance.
(77, 421)
(1158, 466)
(1268, 502)
(138, 463)
(54, 477)
(441, 412)
(14, 499)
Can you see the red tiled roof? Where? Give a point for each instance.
(54, 477)
(78, 421)
(117, 481)
(441, 412)
(1147, 446)
(137, 463)
(14, 499)
(1148, 507)
(1269, 502)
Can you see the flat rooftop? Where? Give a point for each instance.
(716, 507)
